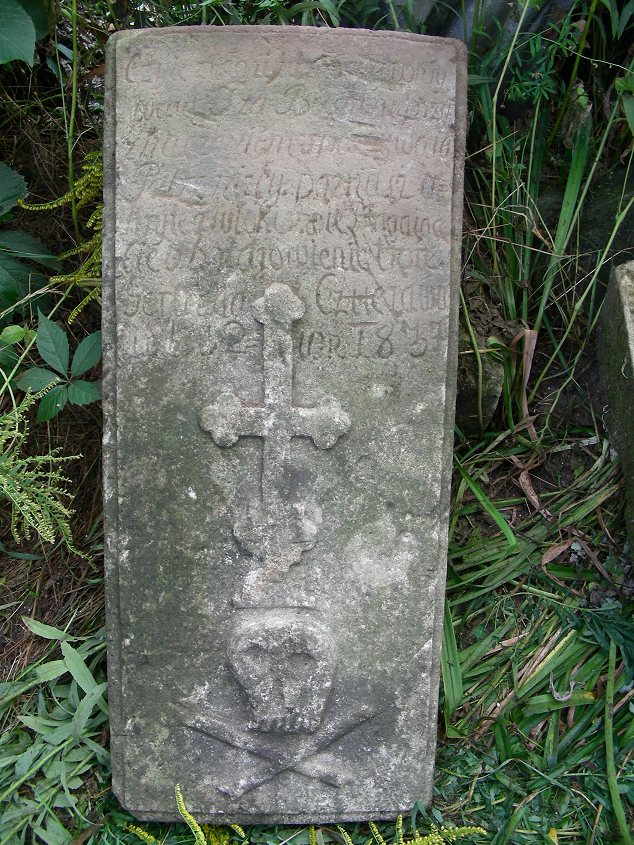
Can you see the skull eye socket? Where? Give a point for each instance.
(301, 660)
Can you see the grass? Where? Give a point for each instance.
(536, 739)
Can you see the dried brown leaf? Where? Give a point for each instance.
(554, 552)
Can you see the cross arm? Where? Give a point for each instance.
(228, 419)
(325, 423)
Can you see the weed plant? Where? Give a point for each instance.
(537, 697)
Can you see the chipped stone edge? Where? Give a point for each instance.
(115, 669)
(109, 397)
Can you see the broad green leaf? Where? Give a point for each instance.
(8, 687)
(86, 706)
(624, 18)
(326, 5)
(103, 755)
(38, 724)
(502, 741)
(42, 630)
(83, 392)
(54, 833)
(26, 760)
(59, 734)
(78, 669)
(18, 281)
(12, 334)
(9, 692)
(22, 245)
(14, 280)
(51, 670)
(40, 13)
(12, 188)
(55, 66)
(52, 403)
(61, 800)
(52, 344)
(86, 356)
(36, 379)
(8, 358)
(54, 768)
(17, 33)
(76, 755)
(614, 14)
(628, 108)
(65, 51)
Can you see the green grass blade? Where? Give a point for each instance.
(450, 663)
(489, 507)
(617, 804)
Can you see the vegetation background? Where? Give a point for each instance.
(536, 735)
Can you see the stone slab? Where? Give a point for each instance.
(281, 264)
(615, 354)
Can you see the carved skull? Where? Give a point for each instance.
(285, 663)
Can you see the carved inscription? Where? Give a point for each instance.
(141, 70)
(268, 147)
(361, 319)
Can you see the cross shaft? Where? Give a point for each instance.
(277, 421)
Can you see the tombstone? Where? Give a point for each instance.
(283, 222)
(615, 354)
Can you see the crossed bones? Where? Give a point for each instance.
(275, 750)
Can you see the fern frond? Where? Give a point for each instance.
(86, 246)
(94, 294)
(209, 832)
(238, 830)
(85, 190)
(195, 828)
(398, 839)
(33, 485)
(344, 833)
(452, 833)
(375, 832)
(142, 834)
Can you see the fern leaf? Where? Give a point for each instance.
(142, 834)
(344, 834)
(94, 294)
(33, 485)
(452, 833)
(195, 828)
(375, 832)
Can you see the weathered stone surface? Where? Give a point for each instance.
(280, 303)
(615, 353)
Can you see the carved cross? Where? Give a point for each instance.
(280, 534)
